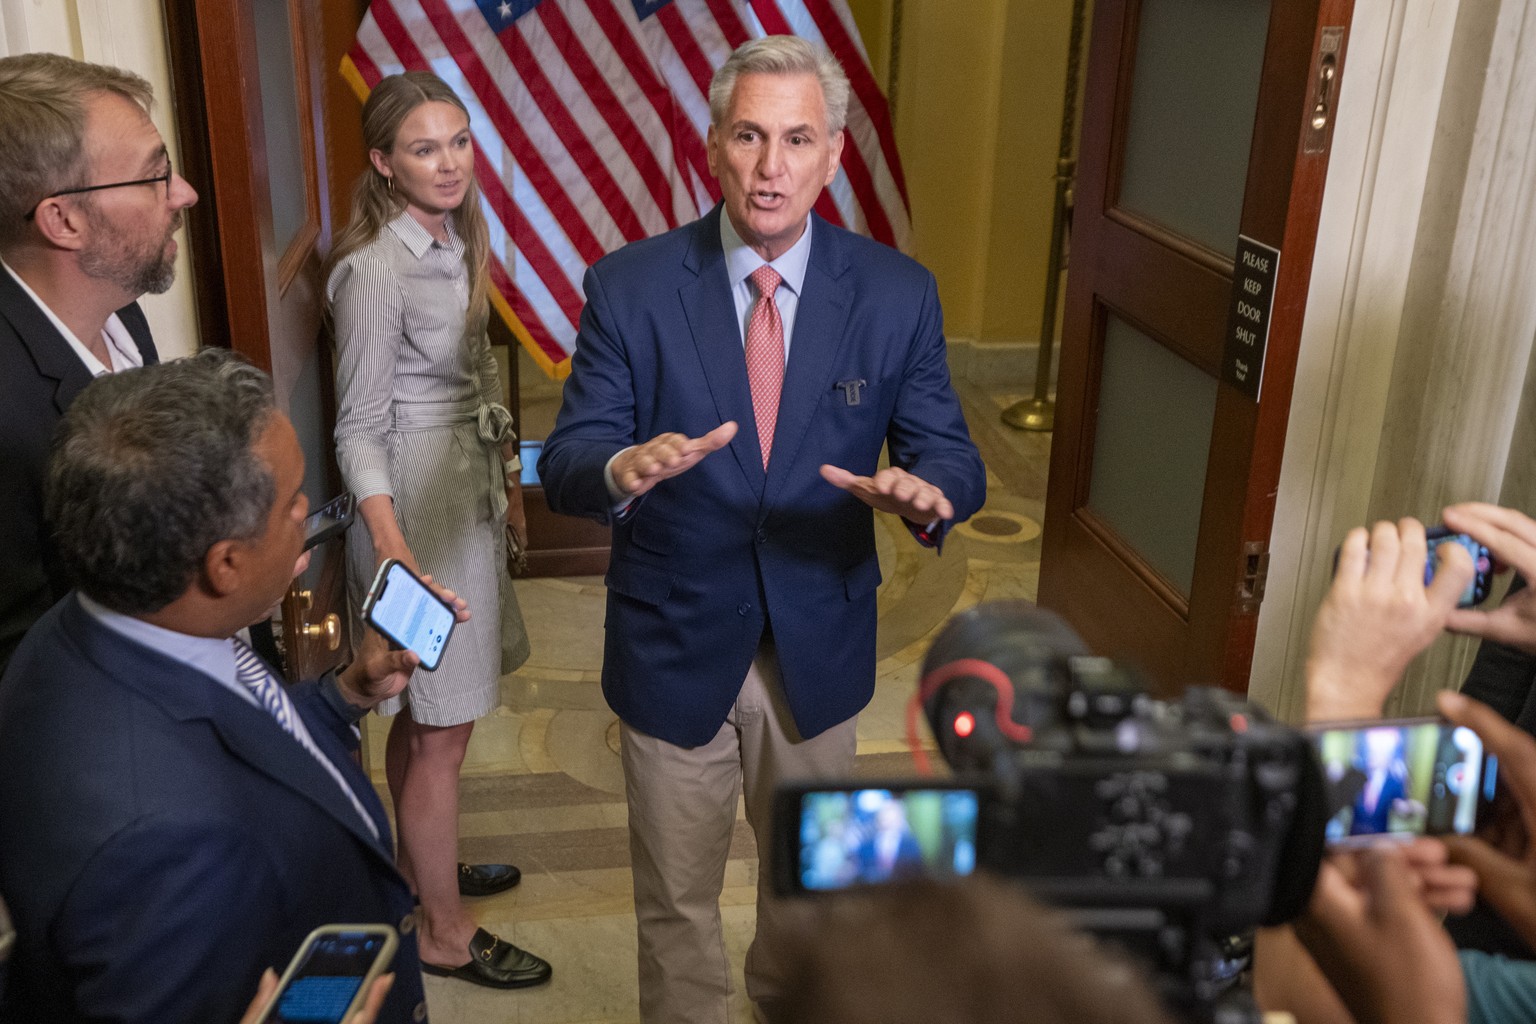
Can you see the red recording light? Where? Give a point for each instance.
(1239, 722)
(965, 724)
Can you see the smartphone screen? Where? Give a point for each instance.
(1400, 778)
(406, 611)
(860, 837)
(324, 978)
(328, 520)
(1482, 564)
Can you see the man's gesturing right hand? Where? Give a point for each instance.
(638, 469)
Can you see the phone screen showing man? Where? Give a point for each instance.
(873, 836)
(407, 611)
(323, 987)
(1400, 779)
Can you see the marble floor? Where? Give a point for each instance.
(542, 786)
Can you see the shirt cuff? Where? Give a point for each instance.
(619, 500)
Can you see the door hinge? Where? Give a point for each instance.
(1253, 574)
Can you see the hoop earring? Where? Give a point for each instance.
(389, 179)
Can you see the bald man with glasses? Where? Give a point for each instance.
(89, 205)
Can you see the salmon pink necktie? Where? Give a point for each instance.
(765, 356)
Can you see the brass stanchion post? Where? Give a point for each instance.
(1039, 413)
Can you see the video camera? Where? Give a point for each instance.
(1163, 826)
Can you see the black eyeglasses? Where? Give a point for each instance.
(170, 171)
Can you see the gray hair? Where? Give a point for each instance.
(42, 128)
(781, 55)
(152, 467)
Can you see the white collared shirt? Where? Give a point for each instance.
(121, 347)
(741, 261)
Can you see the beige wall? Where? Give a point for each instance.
(978, 120)
(128, 34)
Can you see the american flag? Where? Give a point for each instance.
(589, 119)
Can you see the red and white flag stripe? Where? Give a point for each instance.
(589, 125)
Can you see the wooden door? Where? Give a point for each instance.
(271, 141)
(1205, 141)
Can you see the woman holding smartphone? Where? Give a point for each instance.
(426, 445)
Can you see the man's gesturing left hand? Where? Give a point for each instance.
(896, 491)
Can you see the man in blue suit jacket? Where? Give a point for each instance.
(88, 205)
(741, 591)
(171, 823)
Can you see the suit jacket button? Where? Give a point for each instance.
(743, 608)
(419, 1014)
(762, 536)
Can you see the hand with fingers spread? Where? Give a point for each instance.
(1510, 537)
(638, 469)
(1378, 616)
(1506, 872)
(895, 491)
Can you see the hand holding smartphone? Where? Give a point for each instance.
(1482, 563)
(331, 975)
(409, 613)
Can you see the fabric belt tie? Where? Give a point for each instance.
(493, 426)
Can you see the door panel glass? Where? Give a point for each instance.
(281, 119)
(1149, 451)
(1194, 94)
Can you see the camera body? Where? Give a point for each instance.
(1164, 826)
(1118, 800)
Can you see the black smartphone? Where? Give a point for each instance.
(329, 977)
(1482, 564)
(833, 839)
(1401, 778)
(329, 520)
(409, 613)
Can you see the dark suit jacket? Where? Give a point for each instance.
(162, 840)
(712, 558)
(40, 375)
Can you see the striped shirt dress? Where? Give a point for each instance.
(420, 418)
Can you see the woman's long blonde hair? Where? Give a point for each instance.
(375, 204)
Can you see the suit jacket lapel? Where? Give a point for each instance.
(137, 323)
(711, 317)
(819, 333)
(50, 353)
(250, 733)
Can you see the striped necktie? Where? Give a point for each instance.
(253, 675)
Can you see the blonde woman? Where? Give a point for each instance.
(426, 445)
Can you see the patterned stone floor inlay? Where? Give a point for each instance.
(542, 785)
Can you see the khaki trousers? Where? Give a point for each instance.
(682, 809)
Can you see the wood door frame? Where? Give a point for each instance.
(223, 148)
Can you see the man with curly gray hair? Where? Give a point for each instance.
(174, 820)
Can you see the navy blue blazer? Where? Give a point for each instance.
(711, 559)
(162, 840)
(40, 375)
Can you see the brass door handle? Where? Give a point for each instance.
(329, 628)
